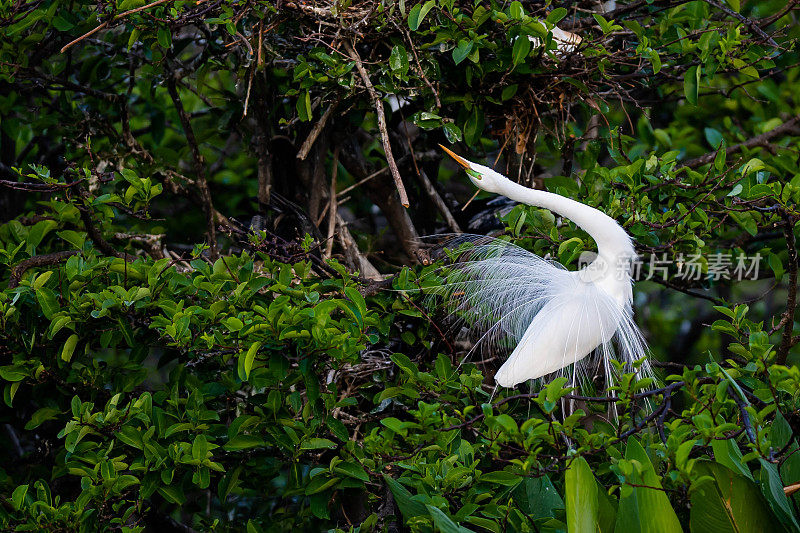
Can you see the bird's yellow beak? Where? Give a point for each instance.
(460, 160)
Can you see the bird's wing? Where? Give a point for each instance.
(567, 329)
(549, 316)
(498, 287)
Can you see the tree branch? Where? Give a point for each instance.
(35, 261)
(751, 24)
(199, 165)
(378, 104)
(759, 140)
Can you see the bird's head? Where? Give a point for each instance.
(482, 177)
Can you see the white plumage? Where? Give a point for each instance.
(554, 318)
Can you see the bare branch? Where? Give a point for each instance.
(759, 140)
(35, 261)
(378, 104)
(199, 166)
(316, 130)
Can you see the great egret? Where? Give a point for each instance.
(556, 317)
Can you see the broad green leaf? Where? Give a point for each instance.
(418, 13)
(772, 488)
(408, 506)
(691, 84)
(647, 508)
(69, 348)
(726, 452)
(304, 106)
(443, 523)
(521, 49)
(538, 497)
(728, 502)
(42, 415)
(318, 443)
(461, 51)
(580, 489)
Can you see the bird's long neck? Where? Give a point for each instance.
(613, 243)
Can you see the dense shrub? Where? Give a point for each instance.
(196, 203)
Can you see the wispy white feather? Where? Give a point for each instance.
(549, 318)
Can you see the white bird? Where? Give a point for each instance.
(553, 316)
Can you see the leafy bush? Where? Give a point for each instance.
(257, 382)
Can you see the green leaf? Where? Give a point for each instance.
(516, 10)
(461, 51)
(199, 447)
(41, 279)
(353, 470)
(48, 301)
(173, 494)
(164, 37)
(243, 442)
(556, 15)
(521, 49)
(772, 488)
(645, 509)
(443, 523)
(418, 13)
(398, 60)
(357, 299)
(474, 126)
(40, 416)
(500, 477)
(580, 490)
(713, 137)
(691, 84)
(304, 106)
(409, 507)
(12, 373)
(318, 443)
(250, 357)
(69, 348)
(538, 497)
(452, 132)
(728, 502)
(726, 452)
(509, 91)
(18, 496)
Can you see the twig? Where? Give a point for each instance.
(428, 187)
(378, 104)
(332, 205)
(422, 72)
(751, 24)
(106, 23)
(352, 254)
(780, 14)
(375, 174)
(316, 130)
(199, 166)
(247, 93)
(787, 320)
(35, 261)
(786, 127)
(96, 236)
(38, 187)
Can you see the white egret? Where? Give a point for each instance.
(555, 317)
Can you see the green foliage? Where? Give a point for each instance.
(158, 387)
(242, 383)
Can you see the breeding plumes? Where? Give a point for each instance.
(552, 317)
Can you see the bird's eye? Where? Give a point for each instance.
(475, 174)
